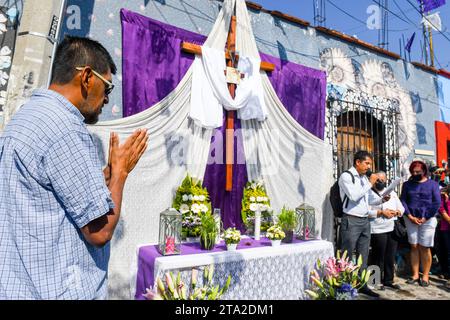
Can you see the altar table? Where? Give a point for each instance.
(259, 271)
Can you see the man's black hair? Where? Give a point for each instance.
(75, 52)
(361, 155)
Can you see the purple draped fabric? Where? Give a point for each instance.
(302, 91)
(148, 254)
(229, 202)
(153, 65)
(152, 62)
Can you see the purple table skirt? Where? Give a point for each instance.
(148, 254)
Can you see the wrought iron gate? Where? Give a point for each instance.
(364, 124)
(354, 126)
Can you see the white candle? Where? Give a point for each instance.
(257, 224)
(218, 220)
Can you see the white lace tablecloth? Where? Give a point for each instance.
(266, 273)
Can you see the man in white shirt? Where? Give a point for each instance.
(382, 222)
(355, 226)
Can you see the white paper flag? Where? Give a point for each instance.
(433, 21)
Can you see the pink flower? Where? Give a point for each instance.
(151, 295)
(331, 269)
(169, 282)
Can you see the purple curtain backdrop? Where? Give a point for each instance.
(152, 62)
(229, 202)
(153, 65)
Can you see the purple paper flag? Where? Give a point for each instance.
(429, 5)
(410, 42)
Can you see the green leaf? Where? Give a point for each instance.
(214, 293)
(312, 294)
(360, 261)
(210, 274)
(205, 275)
(227, 285)
(161, 287)
(332, 292)
(363, 274)
(174, 280)
(366, 278)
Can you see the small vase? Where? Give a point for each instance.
(209, 244)
(275, 243)
(231, 246)
(289, 236)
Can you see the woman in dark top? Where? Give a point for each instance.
(421, 199)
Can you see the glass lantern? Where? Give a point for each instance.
(306, 222)
(170, 222)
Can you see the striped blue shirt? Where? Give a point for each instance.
(51, 185)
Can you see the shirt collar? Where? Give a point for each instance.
(353, 170)
(66, 104)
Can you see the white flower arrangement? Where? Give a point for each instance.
(192, 200)
(195, 208)
(184, 208)
(203, 208)
(253, 207)
(261, 207)
(275, 233)
(232, 236)
(255, 199)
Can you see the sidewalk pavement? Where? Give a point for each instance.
(436, 291)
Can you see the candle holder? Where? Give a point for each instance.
(306, 222)
(170, 222)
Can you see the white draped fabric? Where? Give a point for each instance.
(295, 165)
(210, 94)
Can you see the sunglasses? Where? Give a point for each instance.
(108, 84)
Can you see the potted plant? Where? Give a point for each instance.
(208, 231)
(275, 234)
(287, 221)
(337, 279)
(232, 238)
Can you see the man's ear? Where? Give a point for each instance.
(86, 79)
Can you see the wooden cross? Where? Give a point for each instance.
(229, 133)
